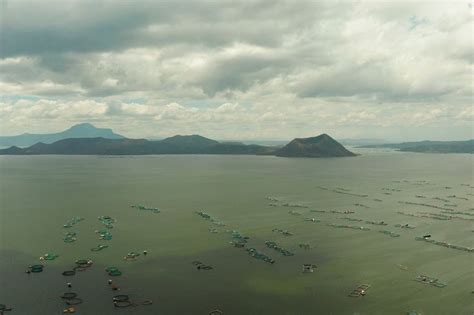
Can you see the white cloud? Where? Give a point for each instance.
(270, 68)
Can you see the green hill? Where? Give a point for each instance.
(320, 146)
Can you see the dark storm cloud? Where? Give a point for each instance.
(35, 27)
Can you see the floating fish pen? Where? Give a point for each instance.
(445, 244)
(281, 250)
(361, 205)
(439, 216)
(352, 219)
(430, 281)
(203, 215)
(238, 239)
(309, 268)
(446, 217)
(238, 243)
(422, 204)
(404, 226)
(70, 237)
(323, 188)
(294, 212)
(104, 235)
(391, 189)
(376, 223)
(201, 266)
(49, 256)
(236, 235)
(218, 223)
(457, 197)
(107, 221)
(459, 212)
(392, 234)
(304, 246)
(417, 182)
(35, 269)
(283, 232)
(113, 271)
(441, 199)
(312, 220)
(131, 256)
(359, 291)
(450, 205)
(402, 267)
(432, 216)
(99, 248)
(334, 211)
(293, 205)
(145, 208)
(210, 218)
(73, 222)
(259, 255)
(345, 192)
(461, 218)
(343, 226)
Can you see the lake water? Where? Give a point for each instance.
(39, 194)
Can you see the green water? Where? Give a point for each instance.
(41, 193)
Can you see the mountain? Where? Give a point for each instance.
(193, 144)
(466, 146)
(320, 146)
(84, 130)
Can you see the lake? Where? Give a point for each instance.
(259, 196)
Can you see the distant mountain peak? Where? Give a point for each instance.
(191, 140)
(319, 146)
(83, 126)
(82, 130)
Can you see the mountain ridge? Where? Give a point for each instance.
(319, 146)
(82, 130)
(429, 146)
(192, 144)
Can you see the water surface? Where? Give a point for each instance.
(40, 193)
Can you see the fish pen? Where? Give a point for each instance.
(359, 291)
(430, 281)
(281, 250)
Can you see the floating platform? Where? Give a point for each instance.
(359, 291)
(430, 281)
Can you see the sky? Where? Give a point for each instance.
(239, 70)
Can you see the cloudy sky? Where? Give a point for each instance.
(255, 69)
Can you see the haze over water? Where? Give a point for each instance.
(41, 193)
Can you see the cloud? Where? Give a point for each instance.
(230, 120)
(269, 67)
